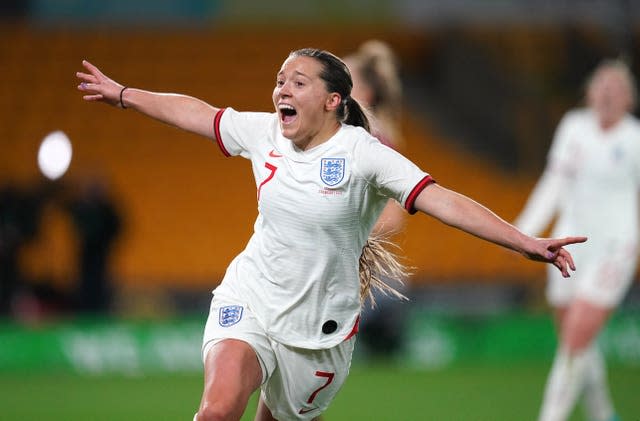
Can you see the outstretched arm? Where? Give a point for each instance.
(463, 213)
(181, 111)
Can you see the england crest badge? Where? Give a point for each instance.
(229, 315)
(332, 171)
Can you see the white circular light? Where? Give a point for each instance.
(54, 155)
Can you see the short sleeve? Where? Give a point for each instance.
(237, 132)
(391, 173)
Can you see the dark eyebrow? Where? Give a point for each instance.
(302, 74)
(298, 73)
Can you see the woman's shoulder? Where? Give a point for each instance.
(364, 149)
(249, 115)
(578, 115)
(576, 119)
(249, 122)
(354, 136)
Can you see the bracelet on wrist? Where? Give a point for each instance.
(121, 92)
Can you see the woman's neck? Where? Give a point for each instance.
(318, 138)
(607, 123)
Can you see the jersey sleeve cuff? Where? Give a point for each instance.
(216, 131)
(409, 204)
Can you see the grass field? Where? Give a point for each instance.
(372, 392)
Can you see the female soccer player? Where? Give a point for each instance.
(592, 181)
(286, 313)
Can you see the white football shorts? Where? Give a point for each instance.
(604, 273)
(296, 383)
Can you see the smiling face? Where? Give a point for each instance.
(610, 95)
(306, 111)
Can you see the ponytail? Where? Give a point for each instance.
(337, 78)
(354, 114)
(379, 264)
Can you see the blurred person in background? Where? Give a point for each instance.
(97, 224)
(377, 87)
(592, 182)
(13, 235)
(285, 317)
(21, 297)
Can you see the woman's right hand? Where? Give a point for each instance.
(182, 111)
(98, 87)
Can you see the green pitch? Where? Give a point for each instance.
(372, 392)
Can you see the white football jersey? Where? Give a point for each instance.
(592, 183)
(299, 271)
(603, 168)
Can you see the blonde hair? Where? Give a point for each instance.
(378, 66)
(379, 263)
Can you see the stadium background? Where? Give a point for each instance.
(485, 84)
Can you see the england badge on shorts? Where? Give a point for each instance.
(332, 171)
(229, 315)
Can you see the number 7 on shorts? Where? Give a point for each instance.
(329, 377)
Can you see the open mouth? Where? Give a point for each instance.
(287, 113)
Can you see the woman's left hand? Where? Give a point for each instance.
(551, 250)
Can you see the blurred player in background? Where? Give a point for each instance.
(592, 182)
(284, 317)
(377, 87)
